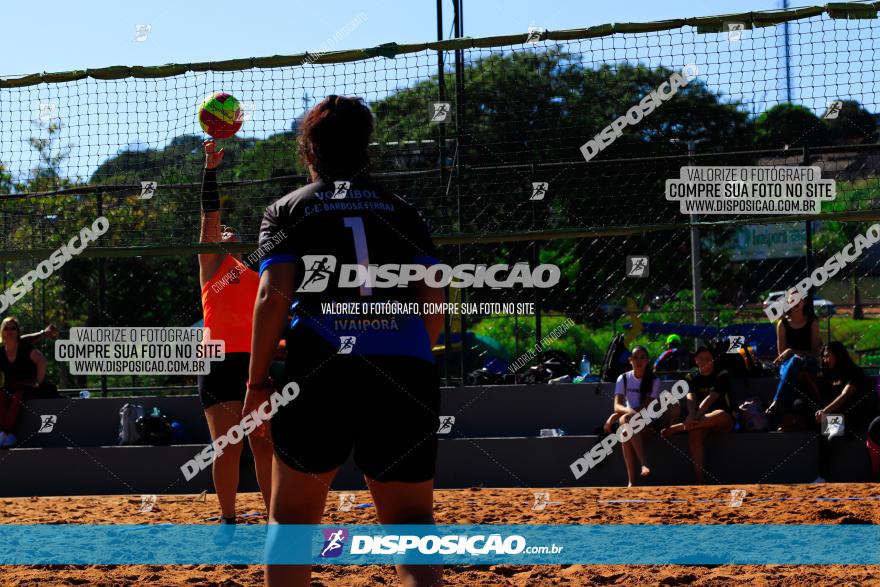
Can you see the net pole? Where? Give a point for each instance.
(808, 227)
(536, 250)
(459, 109)
(102, 285)
(441, 154)
(5, 247)
(787, 56)
(695, 252)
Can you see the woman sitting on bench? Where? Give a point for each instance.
(798, 343)
(24, 371)
(709, 407)
(850, 406)
(634, 390)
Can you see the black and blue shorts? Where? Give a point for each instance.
(383, 408)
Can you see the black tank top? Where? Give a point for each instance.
(22, 369)
(799, 339)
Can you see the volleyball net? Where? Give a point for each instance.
(503, 145)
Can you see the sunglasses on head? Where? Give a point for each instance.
(10, 328)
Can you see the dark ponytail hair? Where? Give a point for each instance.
(647, 379)
(844, 368)
(809, 308)
(704, 349)
(334, 137)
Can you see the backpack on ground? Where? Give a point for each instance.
(741, 363)
(752, 415)
(675, 359)
(486, 377)
(614, 363)
(155, 428)
(551, 364)
(128, 417)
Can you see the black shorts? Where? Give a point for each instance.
(227, 381)
(384, 408)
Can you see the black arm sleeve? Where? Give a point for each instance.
(210, 194)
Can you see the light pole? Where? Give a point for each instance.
(695, 243)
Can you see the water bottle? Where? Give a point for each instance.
(585, 366)
(84, 394)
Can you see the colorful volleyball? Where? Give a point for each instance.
(220, 115)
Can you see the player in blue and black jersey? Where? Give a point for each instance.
(367, 382)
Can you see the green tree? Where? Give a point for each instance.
(5, 180)
(835, 235)
(792, 125)
(518, 108)
(528, 108)
(853, 125)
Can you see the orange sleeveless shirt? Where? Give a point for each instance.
(228, 304)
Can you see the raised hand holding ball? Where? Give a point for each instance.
(213, 157)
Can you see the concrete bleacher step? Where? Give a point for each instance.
(480, 412)
(493, 443)
(95, 421)
(527, 462)
(578, 409)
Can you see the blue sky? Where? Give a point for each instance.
(58, 35)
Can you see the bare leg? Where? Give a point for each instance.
(695, 443)
(299, 498)
(639, 448)
(674, 429)
(263, 452)
(809, 386)
(221, 417)
(408, 503)
(674, 414)
(716, 421)
(9, 412)
(629, 457)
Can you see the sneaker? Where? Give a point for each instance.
(819, 479)
(9, 441)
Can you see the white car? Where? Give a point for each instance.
(822, 306)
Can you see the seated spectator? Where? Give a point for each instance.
(846, 390)
(634, 390)
(24, 371)
(709, 407)
(675, 357)
(798, 342)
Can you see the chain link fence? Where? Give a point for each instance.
(486, 137)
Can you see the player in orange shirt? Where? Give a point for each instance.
(229, 290)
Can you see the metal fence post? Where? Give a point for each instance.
(102, 286)
(808, 225)
(441, 155)
(535, 262)
(459, 152)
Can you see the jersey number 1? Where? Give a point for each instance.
(356, 224)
